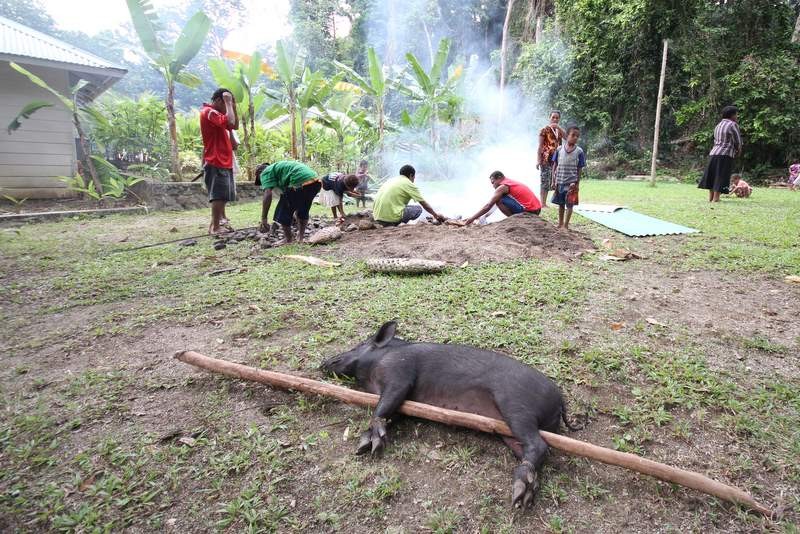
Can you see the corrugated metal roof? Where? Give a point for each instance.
(21, 41)
(630, 222)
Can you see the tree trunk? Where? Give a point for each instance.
(528, 30)
(430, 44)
(302, 136)
(87, 154)
(539, 29)
(251, 147)
(246, 148)
(390, 33)
(293, 118)
(434, 122)
(503, 52)
(380, 123)
(630, 461)
(796, 34)
(175, 164)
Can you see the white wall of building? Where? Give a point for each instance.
(33, 156)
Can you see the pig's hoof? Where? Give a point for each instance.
(525, 486)
(373, 440)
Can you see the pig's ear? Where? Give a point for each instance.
(385, 334)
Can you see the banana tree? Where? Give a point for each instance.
(312, 93)
(68, 101)
(291, 65)
(430, 89)
(241, 81)
(170, 60)
(375, 86)
(348, 123)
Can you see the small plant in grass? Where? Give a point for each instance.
(386, 487)
(552, 489)
(17, 202)
(460, 456)
(556, 525)
(443, 521)
(591, 490)
(764, 344)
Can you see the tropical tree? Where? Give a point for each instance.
(291, 65)
(431, 90)
(375, 86)
(170, 60)
(349, 123)
(241, 81)
(71, 103)
(313, 92)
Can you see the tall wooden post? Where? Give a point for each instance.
(658, 114)
(503, 52)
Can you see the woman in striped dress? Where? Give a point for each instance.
(727, 146)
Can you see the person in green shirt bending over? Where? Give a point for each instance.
(297, 184)
(391, 203)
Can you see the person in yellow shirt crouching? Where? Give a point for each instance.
(391, 202)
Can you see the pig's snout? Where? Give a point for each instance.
(330, 363)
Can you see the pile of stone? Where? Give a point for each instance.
(320, 230)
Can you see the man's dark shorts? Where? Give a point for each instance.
(219, 183)
(296, 201)
(514, 206)
(409, 214)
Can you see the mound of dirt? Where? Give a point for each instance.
(520, 236)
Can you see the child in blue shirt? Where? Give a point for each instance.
(568, 161)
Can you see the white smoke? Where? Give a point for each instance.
(499, 132)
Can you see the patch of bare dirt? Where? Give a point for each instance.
(748, 321)
(517, 237)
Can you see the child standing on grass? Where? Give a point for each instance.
(568, 161)
(363, 182)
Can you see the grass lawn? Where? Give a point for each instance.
(688, 356)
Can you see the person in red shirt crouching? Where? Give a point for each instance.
(217, 119)
(510, 197)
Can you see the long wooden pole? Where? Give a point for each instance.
(658, 114)
(484, 424)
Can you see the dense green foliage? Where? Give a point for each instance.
(601, 67)
(132, 129)
(357, 70)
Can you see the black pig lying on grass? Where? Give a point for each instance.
(459, 378)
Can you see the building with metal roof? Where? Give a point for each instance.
(32, 157)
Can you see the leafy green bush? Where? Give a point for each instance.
(131, 129)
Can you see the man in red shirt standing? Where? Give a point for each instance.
(217, 119)
(510, 197)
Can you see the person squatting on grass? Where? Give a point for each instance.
(727, 146)
(740, 188)
(550, 139)
(217, 120)
(391, 202)
(297, 185)
(510, 197)
(568, 162)
(334, 186)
